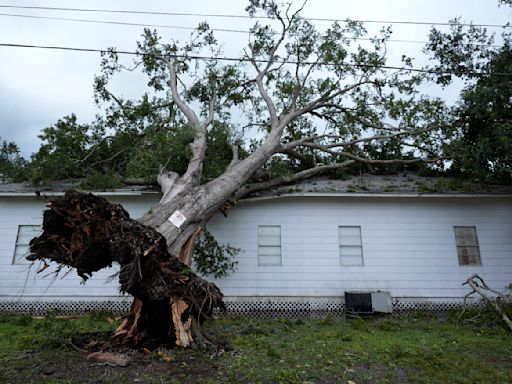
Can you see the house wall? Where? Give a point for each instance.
(408, 248)
(22, 282)
(408, 245)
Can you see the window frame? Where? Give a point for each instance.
(359, 246)
(18, 259)
(266, 246)
(475, 246)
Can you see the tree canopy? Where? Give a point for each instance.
(479, 141)
(333, 88)
(347, 104)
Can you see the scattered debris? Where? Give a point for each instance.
(492, 297)
(116, 359)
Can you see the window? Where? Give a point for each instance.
(468, 249)
(351, 247)
(25, 234)
(269, 245)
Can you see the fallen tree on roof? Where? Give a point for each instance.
(318, 102)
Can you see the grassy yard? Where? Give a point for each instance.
(413, 349)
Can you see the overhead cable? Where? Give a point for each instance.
(125, 23)
(245, 59)
(221, 15)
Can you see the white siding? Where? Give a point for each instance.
(409, 245)
(21, 280)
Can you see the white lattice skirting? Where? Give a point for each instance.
(306, 307)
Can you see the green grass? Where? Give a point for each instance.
(376, 350)
(416, 349)
(19, 332)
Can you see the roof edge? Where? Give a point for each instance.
(97, 193)
(377, 195)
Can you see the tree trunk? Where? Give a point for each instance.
(170, 302)
(88, 233)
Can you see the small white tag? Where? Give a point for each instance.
(177, 219)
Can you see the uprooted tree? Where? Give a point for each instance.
(317, 101)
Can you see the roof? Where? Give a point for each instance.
(403, 185)
(58, 188)
(367, 185)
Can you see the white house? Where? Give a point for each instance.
(304, 247)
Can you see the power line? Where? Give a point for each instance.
(220, 15)
(241, 59)
(117, 23)
(123, 23)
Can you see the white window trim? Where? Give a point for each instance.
(265, 246)
(17, 243)
(360, 246)
(477, 246)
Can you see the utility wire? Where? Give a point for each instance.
(123, 23)
(136, 12)
(242, 59)
(118, 23)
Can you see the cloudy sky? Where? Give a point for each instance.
(39, 86)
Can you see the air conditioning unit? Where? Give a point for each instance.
(368, 302)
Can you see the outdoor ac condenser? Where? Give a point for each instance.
(368, 302)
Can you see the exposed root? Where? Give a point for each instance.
(88, 233)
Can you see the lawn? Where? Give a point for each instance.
(387, 349)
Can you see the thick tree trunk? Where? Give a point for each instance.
(199, 203)
(88, 233)
(170, 302)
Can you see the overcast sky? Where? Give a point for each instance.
(38, 86)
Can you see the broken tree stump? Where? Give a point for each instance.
(88, 233)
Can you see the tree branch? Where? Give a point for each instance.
(173, 84)
(304, 141)
(211, 107)
(264, 94)
(365, 160)
(479, 286)
(234, 159)
(93, 149)
(303, 175)
(262, 73)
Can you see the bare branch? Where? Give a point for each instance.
(294, 154)
(296, 143)
(234, 159)
(303, 175)
(264, 95)
(305, 142)
(121, 151)
(301, 84)
(364, 160)
(479, 286)
(173, 84)
(382, 137)
(262, 73)
(211, 107)
(93, 149)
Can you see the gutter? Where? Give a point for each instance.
(375, 195)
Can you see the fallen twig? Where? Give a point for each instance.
(479, 286)
(77, 348)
